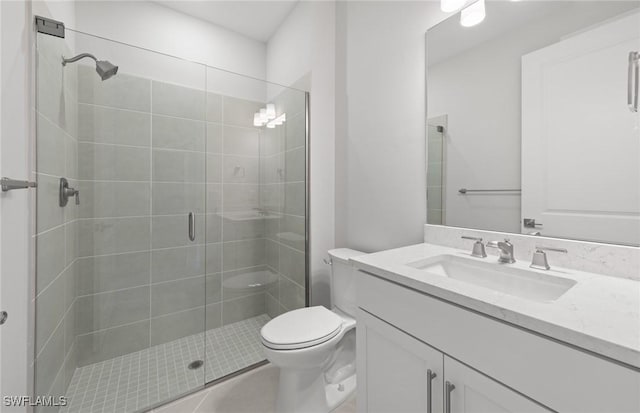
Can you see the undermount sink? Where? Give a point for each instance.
(532, 285)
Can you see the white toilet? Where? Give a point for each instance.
(315, 348)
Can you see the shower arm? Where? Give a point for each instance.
(78, 57)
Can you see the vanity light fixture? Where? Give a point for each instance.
(267, 117)
(264, 115)
(473, 14)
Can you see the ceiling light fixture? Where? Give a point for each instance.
(451, 5)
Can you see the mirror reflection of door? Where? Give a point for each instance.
(581, 142)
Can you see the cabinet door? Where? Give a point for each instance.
(476, 393)
(393, 370)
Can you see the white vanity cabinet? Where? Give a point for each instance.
(495, 366)
(405, 375)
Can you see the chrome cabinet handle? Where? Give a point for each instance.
(447, 396)
(192, 227)
(633, 77)
(430, 376)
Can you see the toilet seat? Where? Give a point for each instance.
(297, 329)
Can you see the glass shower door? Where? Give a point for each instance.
(121, 265)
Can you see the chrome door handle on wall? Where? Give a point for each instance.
(192, 227)
(430, 376)
(9, 184)
(447, 396)
(65, 192)
(632, 81)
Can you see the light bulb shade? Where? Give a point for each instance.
(271, 111)
(472, 14)
(263, 115)
(271, 125)
(256, 119)
(451, 5)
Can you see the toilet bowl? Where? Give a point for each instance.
(315, 347)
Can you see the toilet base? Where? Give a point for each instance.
(307, 392)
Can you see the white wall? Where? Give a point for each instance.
(480, 92)
(385, 123)
(158, 28)
(302, 53)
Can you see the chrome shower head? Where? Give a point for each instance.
(104, 68)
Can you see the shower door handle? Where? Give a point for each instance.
(633, 78)
(192, 227)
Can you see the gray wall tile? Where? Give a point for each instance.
(101, 124)
(243, 254)
(291, 294)
(214, 138)
(175, 263)
(240, 141)
(213, 288)
(50, 308)
(112, 272)
(114, 199)
(50, 260)
(177, 325)
(292, 264)
(295, 129)
(213, 318)
(295, 165)
(241, 230)
(179, 101)
(177, 133)
(112, 309)
(50, 148)
(214, 166)
(214, 258)
(49, 362)
(178, 166)
(243, 308)
(294, 198)
(241, 197)
(173, 296)
(214, 107)
(177, 198)
(112, 235)
(114, 342)
(112, 162)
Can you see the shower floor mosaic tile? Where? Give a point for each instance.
(139, 380)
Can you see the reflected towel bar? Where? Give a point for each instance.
(464, 191)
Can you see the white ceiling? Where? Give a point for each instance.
(258, 20)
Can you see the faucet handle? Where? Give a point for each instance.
(539, 259)
(478, 247)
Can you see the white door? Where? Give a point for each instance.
(472, 392)
(580, 141)
(394, 368)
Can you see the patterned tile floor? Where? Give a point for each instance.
(138, 380)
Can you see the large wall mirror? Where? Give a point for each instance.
(533, 123)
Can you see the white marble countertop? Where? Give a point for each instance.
(599, 313)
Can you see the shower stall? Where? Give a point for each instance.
(171, 221)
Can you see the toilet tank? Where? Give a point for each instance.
(343, 280)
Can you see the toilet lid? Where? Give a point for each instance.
(301, 328)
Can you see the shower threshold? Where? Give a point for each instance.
(139, 380)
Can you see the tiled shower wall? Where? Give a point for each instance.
(283, 166)
(150, 153)
(56, 227)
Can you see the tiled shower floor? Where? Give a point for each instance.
(139, 380)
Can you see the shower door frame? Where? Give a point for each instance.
(32, 213)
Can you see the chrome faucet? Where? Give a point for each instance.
(478, 247)
(539, 260)
(506, 250)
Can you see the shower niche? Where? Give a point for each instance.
(189, 232)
